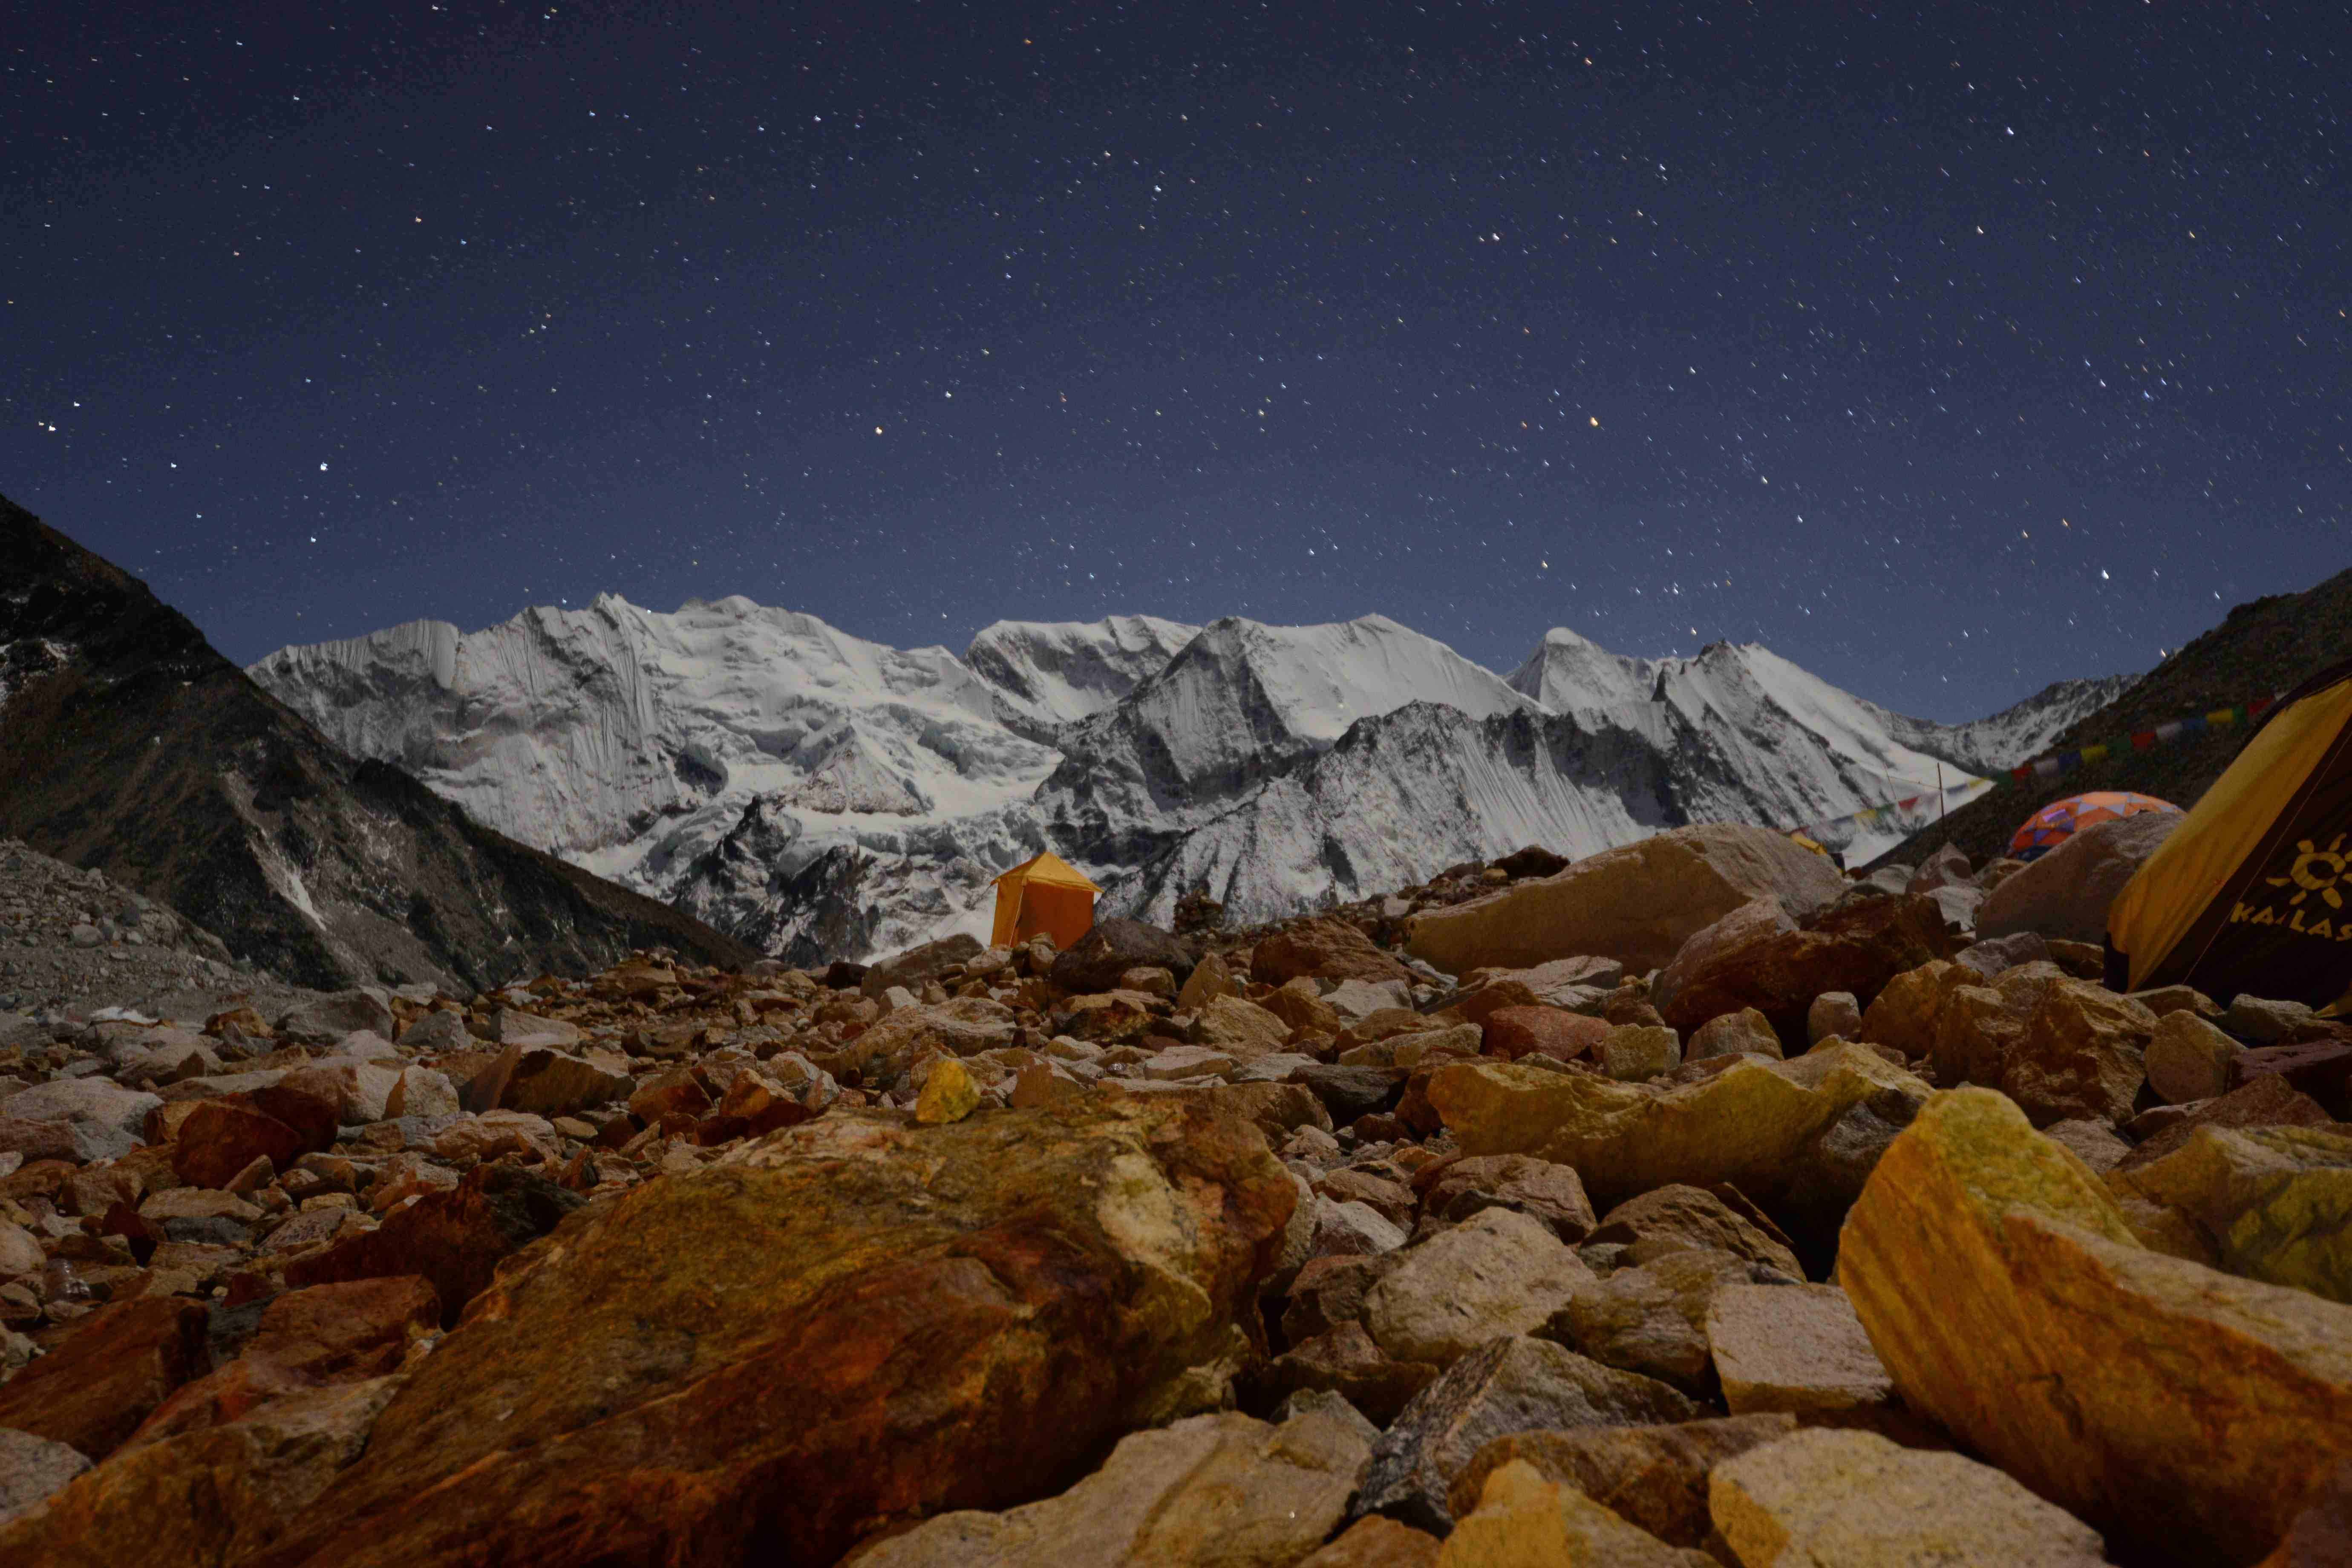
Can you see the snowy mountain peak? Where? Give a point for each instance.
(1051, 673)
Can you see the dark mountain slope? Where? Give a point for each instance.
(129, 744)
(2262, 649)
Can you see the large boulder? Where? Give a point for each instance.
(853, 1323)
(2083, 1055)
(1112, 947)
(93, 1391)
(2064, 894)
(1497, 1273)
(75, 1119)
(1747, 1124)
(1219, 1489)
(1756, 957)
(2270, 1203)
(1323, 950)
(1510, 1384)
(1653, 1318)
(1854, 1497)
(2189, 1411)
(324, 1020)
(1637, 903)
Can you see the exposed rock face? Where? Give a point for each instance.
(880, 1319)
(143, 753)
(2162, 1403)
(1855, 1497)
(2064, 894)
(1638, 903)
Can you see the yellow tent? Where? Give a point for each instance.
(1047, 894)
(2249, 893)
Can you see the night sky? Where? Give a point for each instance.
(1946, 355)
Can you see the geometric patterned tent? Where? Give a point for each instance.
(2061, 820)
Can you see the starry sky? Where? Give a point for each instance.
(1946, 350)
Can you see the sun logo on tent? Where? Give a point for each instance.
(2307, 877)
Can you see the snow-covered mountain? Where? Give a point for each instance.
(818, 795)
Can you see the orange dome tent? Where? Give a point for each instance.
(2062, 819)
(1047, 894)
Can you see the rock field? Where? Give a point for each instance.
(1704, 1207)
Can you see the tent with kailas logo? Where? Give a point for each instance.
(2252, 892)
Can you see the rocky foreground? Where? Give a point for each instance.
(1703, 1208)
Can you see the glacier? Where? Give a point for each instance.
(821, 795)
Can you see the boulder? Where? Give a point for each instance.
(1981, 1026)
(2186, 1410)
(1947, 867)
(93, 1117)
(1637, 903)
(1525, 1519)
(2083, 1055)
(1109, 949)
(92, 1390)
(1508, 1384)
(221, 1136)
(2189, 1058)
(1541, 1189)
(1356, 1000)
(359, 1090)
(1377, 1543)
(1345, 1361)
(1498, 1272)
(1904, 1014)
(2270, 1203)
(1511, 1032)
(31, 1468)
(2264, 1022)
(1209, 979)
(1220, 1488)
(928, 961)
(2093, 1143)
(1323, 950)
(1678, 1218)
(1636, 1053)
(1348, 1092)
(199, 1499)
(324, 1020)
(422, 1091)
(1276, 1110)
(454, 1238)
(2065, 894)
(1795, 1348)
(1854, 1497)
(440, 1030)
(1746, 1124)
(512, 1027)
(1652, 1318)
(1752, 959)
(1653, 1476)
(850, 1324)
(1745, 1033)
(1240, 1027)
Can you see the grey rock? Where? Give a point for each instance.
(1514, 1383)
(324, 1020)
(916, 964)
(32, 1467)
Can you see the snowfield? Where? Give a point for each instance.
(818, 795)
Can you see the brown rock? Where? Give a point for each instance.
(1524, 1519)
(2321, 1069)
(1393, 1201)
(2321, 1535)
(1679, 1217)
(221, 1136)
(453, 1237)
(1745, 1033)
(1277, 1110)
(2083, 1055)
(1541, 1189)
(850, 1323)
(2165, 1404)
(1346, 1361)
(1300, 1006)
(2189, 1058)
(1515, 1031)
(1755, 959)
(1653, 1318)
(1903, 1014)
(1377, 1542)
(93, 1390)
(2265, 1101)
(346, 1333)
(1636, 903)
(675, 1090)
(1795, 1348)
(1323, 950)
(1653, 1476)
